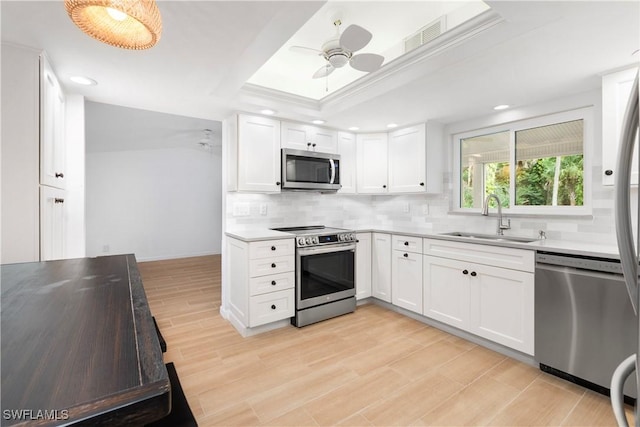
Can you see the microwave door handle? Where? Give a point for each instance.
(333, 171)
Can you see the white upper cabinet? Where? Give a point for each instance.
(306, 137)
(416, 159)
(348, 160)
(616, 89)
(52, 131)
(372, 164)
(258, 154)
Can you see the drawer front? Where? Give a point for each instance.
(273, 265)
(407, 243)
(271, 307)
(497, 256)
(271, 248)
(271, 283)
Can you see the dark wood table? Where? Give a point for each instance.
(78, 345)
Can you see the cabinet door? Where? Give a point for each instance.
(52, 223)
(372, 163)
(616, 89)
(363, 265)
(296, 136)
(258, 154)
(406, 280)
(347, 151)
(502, 306)
(52, 138)
(381, 266)
(446, 291)
(325, 140)
(407, 161)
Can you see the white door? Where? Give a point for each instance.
(52, 223)
(407, 161)
(363, 265)
(52, 136)
(372, 163)
(347, 151)
(502, 306)
(446, 291)
(406, 280)
(258, 154)
(381, 266)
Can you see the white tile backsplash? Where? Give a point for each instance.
(384, 211)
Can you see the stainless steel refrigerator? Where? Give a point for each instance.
(629, 247)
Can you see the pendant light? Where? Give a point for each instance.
(129, 24)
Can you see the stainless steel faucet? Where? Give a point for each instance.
(485, 211)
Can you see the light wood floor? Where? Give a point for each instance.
(372, 367)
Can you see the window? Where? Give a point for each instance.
(533, 166)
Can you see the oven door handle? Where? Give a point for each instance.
(327, 249)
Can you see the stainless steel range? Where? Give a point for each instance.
(325, 273)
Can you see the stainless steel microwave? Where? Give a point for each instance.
(310, 171)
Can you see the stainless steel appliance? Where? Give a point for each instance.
(584, 321)
(325, 273)
(628, 246)
(310, 171)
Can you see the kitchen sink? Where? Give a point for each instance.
(493, 237)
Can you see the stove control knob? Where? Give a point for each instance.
(315, 240)
(300, 241)
(341, 237)
(308, 240)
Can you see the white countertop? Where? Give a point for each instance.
(559, 246)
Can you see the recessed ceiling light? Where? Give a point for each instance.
(392, 125)
(317, 122)
(82, 80)
(268, 112)
(501, 107)
(354, 128)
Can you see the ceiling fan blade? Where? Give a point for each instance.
(355, 38)
(366, 61)
(323, 71)
(305, 50)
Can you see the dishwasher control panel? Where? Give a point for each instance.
(581, 262)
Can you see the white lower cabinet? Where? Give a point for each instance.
(262, 282)
(406, 273)
(446, 291)
(52, 223)
(485, 299)
(502, 306)
(363, 265)
(381, 266)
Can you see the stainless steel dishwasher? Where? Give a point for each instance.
(585, 324)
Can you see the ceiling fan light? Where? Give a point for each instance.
(128, 24)
(339, 60)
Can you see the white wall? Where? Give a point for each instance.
(156, 196)
(74, 177)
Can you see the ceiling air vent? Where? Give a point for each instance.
(425, 34)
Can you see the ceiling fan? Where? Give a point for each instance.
(339, 51)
